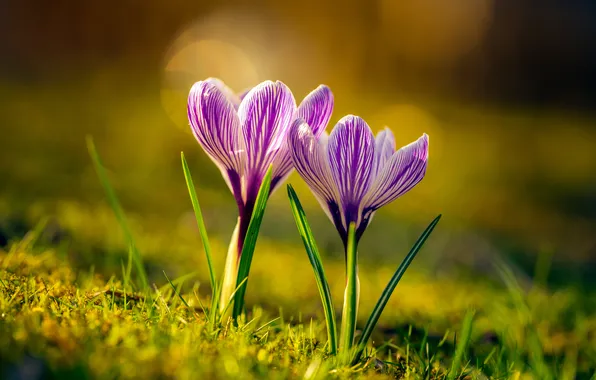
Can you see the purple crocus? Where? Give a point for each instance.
(352, 173)
(245, 134)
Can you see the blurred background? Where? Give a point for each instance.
(506, 90)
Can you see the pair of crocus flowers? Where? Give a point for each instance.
(351, 173)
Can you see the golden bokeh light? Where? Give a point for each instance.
(214, 47)
(199, 60)
(434, 32)
(408, 122)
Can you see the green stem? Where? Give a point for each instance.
(230, 272)
(351, 295)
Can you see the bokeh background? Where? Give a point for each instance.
(505, 89)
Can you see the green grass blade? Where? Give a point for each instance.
(179, 281)
(128, 269)
(250, 242)
(462, 344)
(315, 260)
(215, 289)
(176, 291)
(200, 223)
(115, 205)
(32, 237)
(537, 358)
(214, 310)
(229, 303)
(266, 325)
(382, 302)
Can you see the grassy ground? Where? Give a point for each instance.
(64, 318)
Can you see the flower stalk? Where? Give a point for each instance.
(230, 270)
(351, 295)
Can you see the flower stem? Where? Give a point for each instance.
(230, 272)
(351, 296)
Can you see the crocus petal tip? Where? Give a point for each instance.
(202, 88)
(423, 152)
(349, 118)
(196, 87)
(298, 125)
(324, 88)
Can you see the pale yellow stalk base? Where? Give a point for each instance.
(342, 347)
(230, 274)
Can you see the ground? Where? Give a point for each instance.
(60, 318)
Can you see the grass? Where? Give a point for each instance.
(70, 321)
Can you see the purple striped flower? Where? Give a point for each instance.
(243, 134)
(352, 173)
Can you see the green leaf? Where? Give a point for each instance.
(115, 205)
(382, 302)
(315, 260)
(250, 242)
(203, 232)
(462, 344)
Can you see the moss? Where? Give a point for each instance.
(87, 325)
(77, 323)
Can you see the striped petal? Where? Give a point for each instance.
(351, 155)
(309, 156)
(282, 166)
(384, 149)
(401, 173)
(265, 113)
(228, 92)
(315, 110)
(216, 127)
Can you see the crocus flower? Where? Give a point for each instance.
(352, 173)
(244, 134)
